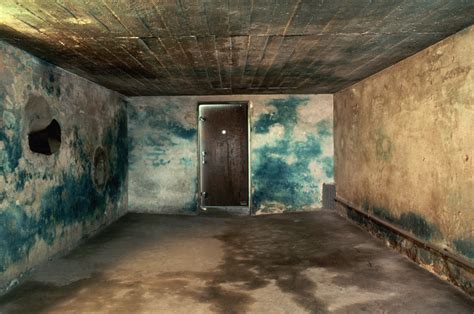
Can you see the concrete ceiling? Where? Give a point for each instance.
(182, 47)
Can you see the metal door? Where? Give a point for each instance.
(223, 143)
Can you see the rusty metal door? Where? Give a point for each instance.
(223, 143)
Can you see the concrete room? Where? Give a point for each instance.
(209, 156)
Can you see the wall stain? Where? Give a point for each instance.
(74, 200)
(429, 259)
(294, 187)
(410, 221)
(42, 197)
(383, 145)
(417, 118)
(285, 115)
(465, 246)
(10, 136)
(162, 144)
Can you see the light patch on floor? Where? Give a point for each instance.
(343, 296)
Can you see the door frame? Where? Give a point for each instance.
(248, 106)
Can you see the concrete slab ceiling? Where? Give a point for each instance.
(164, 47)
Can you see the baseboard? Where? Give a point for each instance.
(445, 264)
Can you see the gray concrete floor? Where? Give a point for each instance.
(294, 263)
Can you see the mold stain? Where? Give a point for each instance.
(286, 115)
(409, 221)
(383, 146)
(74, 200)
(50, 80)
(10, 137)
(324, 128)
(465, 247)
(328, 166)
(419, 254)
(162, 143)
(277, 177)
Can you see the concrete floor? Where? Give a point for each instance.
(296, 263)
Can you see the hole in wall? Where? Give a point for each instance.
(46, 141)
(100, 171)
(44, 132)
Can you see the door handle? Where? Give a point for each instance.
(203, 157)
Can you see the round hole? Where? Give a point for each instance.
(46, 141)
(44, 132)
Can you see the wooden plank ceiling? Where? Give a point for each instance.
(183, 47)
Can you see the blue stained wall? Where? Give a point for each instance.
(291, 152)
(163, 156)
(49, 203)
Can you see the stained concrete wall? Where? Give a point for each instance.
(291, 152)
(404, 144)
(49, 203)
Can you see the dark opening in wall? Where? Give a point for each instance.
(101, 171)
(46, 141)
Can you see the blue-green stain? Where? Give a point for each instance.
(162, 133)
(378, 229)
(419, 253)
(465, 246)
(324, 128)
(286, 114)
(277, 181)
(12, 151)
(274, 178)
(409, 221)
(74, 200)
(383, 145)
(418, 225)
(160, 162)
(16, 235)
(117, 139)
(382, 213)
(22, 177)
(328, 166)
(191, 206)
(306, 150)
(180, 131)
(158, 119)
(49, 78)
(186, 161)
